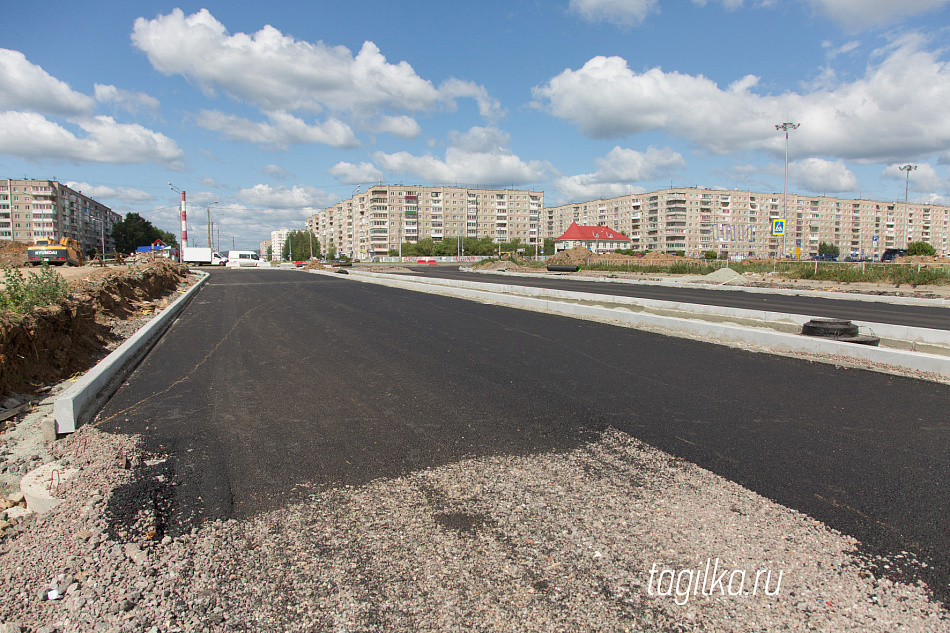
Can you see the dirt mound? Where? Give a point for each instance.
(921, 259)
(500, 265)
(576, 256)
(13, 253)
(53, 342)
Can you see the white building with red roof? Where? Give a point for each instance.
(597, 239)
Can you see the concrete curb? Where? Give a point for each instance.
(791, 292)
(81, 400)
(778, 341)
(912, 336)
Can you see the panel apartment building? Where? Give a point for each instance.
(696, 220)
(45, 208)
(373, 222)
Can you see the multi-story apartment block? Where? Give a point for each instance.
(378, 220)
(45, 208)
(264, 248)
(696, 220)
(277, 239)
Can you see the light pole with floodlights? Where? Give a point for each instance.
(786, 127)
(908, 169)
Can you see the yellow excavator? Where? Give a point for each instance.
(65, 252)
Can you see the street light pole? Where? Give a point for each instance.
(786, 127)
(908, 169)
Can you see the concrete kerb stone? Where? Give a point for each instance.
(779, 341)
(792, 292)
(82, 399)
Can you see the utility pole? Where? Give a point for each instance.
(209, 223)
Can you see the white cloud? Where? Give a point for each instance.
(283, 130)
(617, 171)
(815, 174)
(620, 12)
(126, 195)
(351, 174)
(26, 86)
(923, 179)
(856, 15)
(278, 73)
(297, 197)
(31, 136)
(131, 102)
(474, 158)
(399, 126)
(895, 112)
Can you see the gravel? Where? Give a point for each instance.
(613, 536)
(550, 542)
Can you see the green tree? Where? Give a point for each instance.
(710, 254)
(824, 248)
(297, 246)
(921, 248)
(135, 231)
(548, 246)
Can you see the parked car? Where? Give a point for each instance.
(891, 254)
(824, 258)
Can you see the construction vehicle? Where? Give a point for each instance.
(65, 252)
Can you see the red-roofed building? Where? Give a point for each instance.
(597, 239)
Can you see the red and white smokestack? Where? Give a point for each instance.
(184, 224)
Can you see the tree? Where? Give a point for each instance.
(921, 248)
(710, 254)
(297, 246)
(825, 248)
(135, 231)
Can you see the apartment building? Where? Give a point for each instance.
(739, 223)
(373, 222)
(264, 248)
(277, 240)
(46, 208)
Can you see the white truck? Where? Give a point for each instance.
(202, 257)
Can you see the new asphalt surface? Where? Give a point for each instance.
(837, 308)
(272, 383)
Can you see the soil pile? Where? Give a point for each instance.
(577, 256)
(54, 342)
(13, 254)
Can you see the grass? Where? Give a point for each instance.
(21, 294)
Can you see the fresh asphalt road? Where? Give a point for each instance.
(853, 310)
(274, 382)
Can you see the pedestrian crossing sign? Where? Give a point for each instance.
(778, 227)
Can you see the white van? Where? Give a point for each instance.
(245, 259)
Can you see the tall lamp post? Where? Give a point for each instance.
(786, 127)
(908, 169)
(184, 225)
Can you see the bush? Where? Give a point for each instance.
(22, 294)
(710, 254)
(921, 248)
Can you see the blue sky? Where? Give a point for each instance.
(276, 110)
